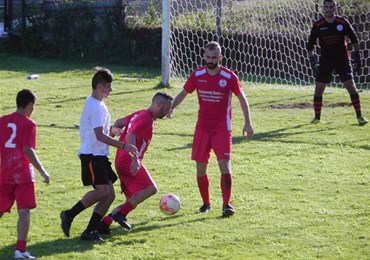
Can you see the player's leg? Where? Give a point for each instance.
(201, 151)
(203, 186)
(355, 99)
(136, 199)
(125, 177)
(137, 189)
(226, 180)
(68, 215)
(100, 210)
(221, 143)
(99, 193)
(93, 172)
(23, 226)
(142, 195)
(122, 211)
(344, 70)
(317, 101)
(323, 77)
(103, 183)
(103, 205)
(140, 188)
(25, 198)
(226, 187)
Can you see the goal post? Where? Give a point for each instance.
(166, 31)
(262, 41)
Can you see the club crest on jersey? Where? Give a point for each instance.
(339, 27)
(222, 83)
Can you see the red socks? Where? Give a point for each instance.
(126, 208)
(226, 188)
(20, 245)
(108, 220)
(203, 185)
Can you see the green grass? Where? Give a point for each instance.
(301, 191)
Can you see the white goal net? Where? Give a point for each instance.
(263, 41)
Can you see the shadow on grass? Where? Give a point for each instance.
(143, 227)
(74, 127)
(278, 101)
(269, 136)
(75, 244)
(277, 135)
(50, 248)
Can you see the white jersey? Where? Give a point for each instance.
(94, 114)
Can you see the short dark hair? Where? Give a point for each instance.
(24, 97)
(101, 76)
(329, 1)
(163, 95)
(212, 46)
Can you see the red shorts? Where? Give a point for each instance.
(204, 141)
(23, 194)
(130, 184)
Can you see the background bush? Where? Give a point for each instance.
(88, 30)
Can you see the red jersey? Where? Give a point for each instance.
(16, 132)
(140, 123)
(214, 96)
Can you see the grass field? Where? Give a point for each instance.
(301, 191)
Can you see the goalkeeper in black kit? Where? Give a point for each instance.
(331, 32)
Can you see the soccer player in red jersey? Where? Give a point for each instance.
(136, 183)
(96, 170)
(18, 157)
(215, 85)
(331, 32)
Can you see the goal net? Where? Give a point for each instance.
(263, 41)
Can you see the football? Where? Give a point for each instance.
(169, 204)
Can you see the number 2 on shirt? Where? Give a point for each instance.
(9, 143)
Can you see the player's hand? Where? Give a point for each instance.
(46, 177)
(116, 131)
(131, 149)
(248, 131)
(135, 166)
(356, 62)
(315, 65)
(170, 113)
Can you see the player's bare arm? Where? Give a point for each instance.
(100, 136)
(32, 157)
(244, 105)
(115, 131)
(116, 128)
(135, 164)
(177, 101)
(120, 123)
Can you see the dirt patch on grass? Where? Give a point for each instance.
(305, 105)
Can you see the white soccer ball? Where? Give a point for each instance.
(169, 204)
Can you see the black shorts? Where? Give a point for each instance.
(96, 170)
(342, 66)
